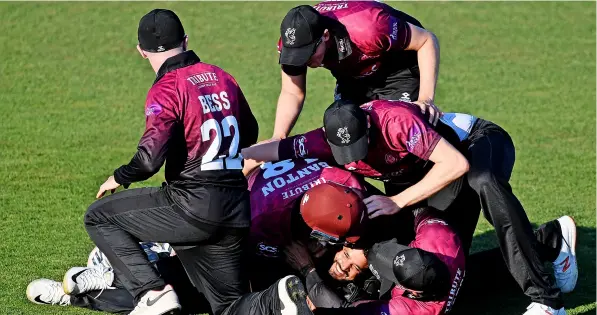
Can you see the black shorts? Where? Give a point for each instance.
(400, 85)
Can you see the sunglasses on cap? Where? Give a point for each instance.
(327, 239)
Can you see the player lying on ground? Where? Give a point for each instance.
(423, 285)
(97, 287)
(392, 141)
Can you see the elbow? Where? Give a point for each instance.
(461, 166)
(149, 168)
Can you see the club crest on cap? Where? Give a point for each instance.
(399, 260)
(343, 134)
(161, 49)
(290, 38)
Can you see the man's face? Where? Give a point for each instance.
(316, 59)
(348, 263)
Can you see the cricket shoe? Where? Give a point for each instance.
(293, 297)
(46, 291)
(565, 267)
(540, 309)
(79, 280)
(158, 302)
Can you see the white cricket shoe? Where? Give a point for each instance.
(565, 267)
(157, 302)
(78, 280)
(46, 291)
(540, 309)
(293, 297)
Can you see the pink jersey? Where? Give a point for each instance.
(401, 141)
(369, 37)
(277, 188)
(435, 236)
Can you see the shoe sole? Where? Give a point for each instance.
(572, 236)
(293, 296)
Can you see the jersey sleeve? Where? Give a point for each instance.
(309, 145)
(160, 119)
(391, 33)
(409, 132)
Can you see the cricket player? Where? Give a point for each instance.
(373, 50)
(197, 119)
(392, 141)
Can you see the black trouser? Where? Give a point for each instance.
(400, 85)
(491, 156)
(212, 256)
(119, 300)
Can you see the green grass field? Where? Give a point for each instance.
(72, 90)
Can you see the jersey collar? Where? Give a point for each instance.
(182, 60)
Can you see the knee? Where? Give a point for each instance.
(481, 179)
(94, 214)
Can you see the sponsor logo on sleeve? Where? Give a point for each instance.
(394, 34)
(414, 136)
(153, 109)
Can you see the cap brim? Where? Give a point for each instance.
(381, 256)
(298, 56)
(350, 153)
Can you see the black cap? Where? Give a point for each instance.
(160, 30)
(412, 268)
(300, 30)
(346, 130)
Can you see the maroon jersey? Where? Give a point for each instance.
(367, 37)
(276, 190)
(197, 119)
(401, 141)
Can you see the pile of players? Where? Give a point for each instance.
(289, 225)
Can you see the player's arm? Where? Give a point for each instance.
(153, 146)
(290, 101)
(449, 165)
(427, 47)
(309, 145)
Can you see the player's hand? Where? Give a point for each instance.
(427, 106)
(380, 205)
(297, 256)
(311, 305)
(110, 185)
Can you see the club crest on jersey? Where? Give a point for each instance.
(153, 109)
(390, 159)
(299, 147)
(343, 134)
(399, 260)
(290, 38)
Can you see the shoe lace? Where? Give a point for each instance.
(57, 295)
(94, 279)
